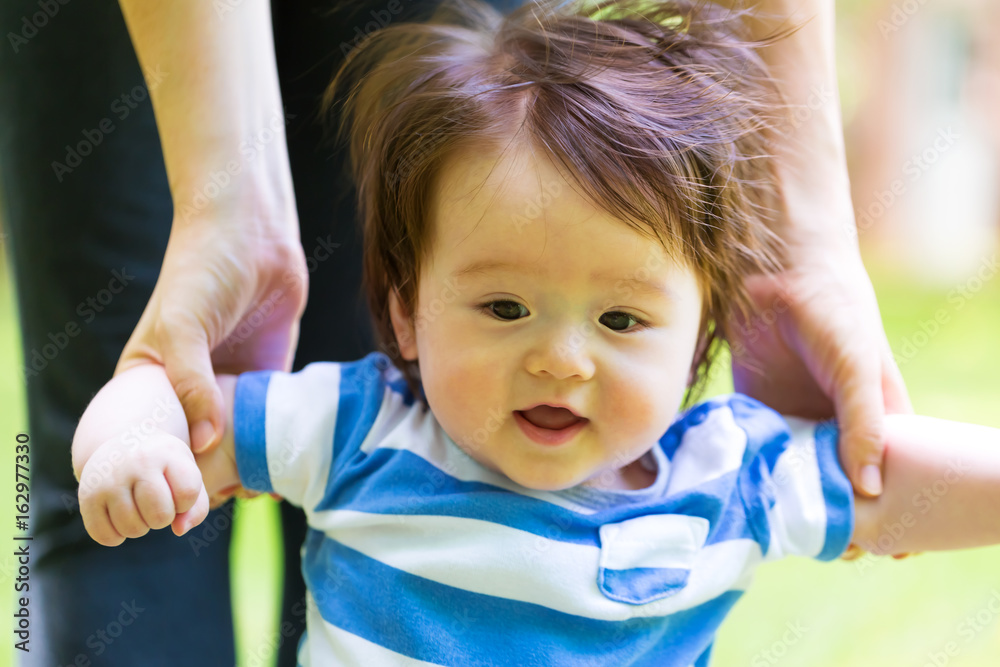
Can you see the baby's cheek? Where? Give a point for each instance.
(640, 408)
(640, 413)
(455, 385)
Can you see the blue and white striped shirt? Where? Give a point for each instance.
(418, 555)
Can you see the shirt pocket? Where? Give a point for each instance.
(650, 557)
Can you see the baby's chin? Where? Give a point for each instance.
(540, 480)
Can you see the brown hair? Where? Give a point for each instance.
(657, 111)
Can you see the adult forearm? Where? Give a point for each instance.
(214, 88)
(815, 203)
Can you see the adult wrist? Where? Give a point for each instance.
(813, 208)
(252, 199)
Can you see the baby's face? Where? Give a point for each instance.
(526, 300)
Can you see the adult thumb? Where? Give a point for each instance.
(187, 360)
(859, 405)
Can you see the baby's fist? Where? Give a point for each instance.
(128, 489)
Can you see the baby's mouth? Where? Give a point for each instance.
(549, 417)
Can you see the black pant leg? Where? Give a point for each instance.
(89, 211)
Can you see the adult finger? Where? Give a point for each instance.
(858, 401)
(188, 363)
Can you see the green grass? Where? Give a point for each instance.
(880, 612)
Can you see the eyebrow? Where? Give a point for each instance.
(496, 266)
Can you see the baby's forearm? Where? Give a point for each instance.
(942, 488)
(131, 407)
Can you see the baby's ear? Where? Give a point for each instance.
(402, 326)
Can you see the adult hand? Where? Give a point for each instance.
(815, 347)
(229, 296)
(233, 283)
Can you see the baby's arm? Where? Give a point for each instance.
(132, 456)
(942, 488)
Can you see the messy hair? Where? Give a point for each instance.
(658, 112)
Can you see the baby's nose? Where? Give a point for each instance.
(563, 352)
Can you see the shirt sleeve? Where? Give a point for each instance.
(797, 497)
(291, 429)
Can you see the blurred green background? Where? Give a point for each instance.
(876, 612)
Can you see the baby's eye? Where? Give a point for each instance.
(619, 321)
(505, 310)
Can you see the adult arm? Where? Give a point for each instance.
(233, 282)
(817, 330)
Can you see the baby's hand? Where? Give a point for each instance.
(128, 488)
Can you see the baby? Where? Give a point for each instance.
(560, 209)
